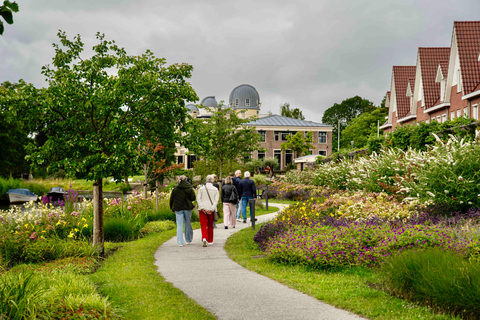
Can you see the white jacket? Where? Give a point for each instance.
(202, 197)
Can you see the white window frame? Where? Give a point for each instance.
(452, 115)
(465, 112)
(427, 121)
(444, 117)
(459, 113)
(323, 135)
(261, 152)
(263, 134)
(475, 111)
(322, 153)
(247, 102)
(438, 119)
(237, 102)
(281, 160)
(459, 81)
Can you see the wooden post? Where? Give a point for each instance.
(156, 195)
(98, 216)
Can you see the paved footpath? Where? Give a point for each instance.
(228, 290)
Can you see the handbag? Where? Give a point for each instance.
(215, 213)
(234, 196)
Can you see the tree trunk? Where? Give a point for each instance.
(98, 216)
(221, 172)
(156, 194)
(145, 184)
(126, 180)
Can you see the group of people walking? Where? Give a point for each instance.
(235, 195)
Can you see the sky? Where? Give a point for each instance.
(309, 53)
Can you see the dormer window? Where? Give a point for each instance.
(236, 102)
(247, 102)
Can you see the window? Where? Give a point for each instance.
(236, 102)
(438, 119)
(459, 113)
(427, 121)
(190, 160)
(262, 134)
(247, 158)
(309, 152)
(261, 155)
(322, 153)
(288, 157)
(465, 112)
(322, 137)
(459, 81)
(180, 159)
(475, 112)
(276, 135)
(284, 135)
(452, 115)
(247, 102)
(278, 155)
(444, 117)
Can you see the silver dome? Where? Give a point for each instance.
(209, 102)
(191, 107)
(244, 96)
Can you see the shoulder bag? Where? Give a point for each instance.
(215, 213)
(234, 196)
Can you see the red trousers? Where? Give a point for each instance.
(206, 223)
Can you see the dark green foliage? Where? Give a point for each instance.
(435, 277)
(363, 127)
(291, 113)
(36, 188)
(52, 249)
(374, 144)
(120, 230)
(6, 12)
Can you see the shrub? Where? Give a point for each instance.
(20, 293)
(53, 248)
(436, 277)
(119, 230)
(157, 226)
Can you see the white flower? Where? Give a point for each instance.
(460, 178)
(430, 194)
(461, 202)
(446, 191)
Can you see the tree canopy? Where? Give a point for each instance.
(291, 113)
(96, 111)
(224, 136)
(362, 127)
(6, 12)
(344, 112)
(299, 143)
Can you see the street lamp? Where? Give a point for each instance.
(351, 142)
(339, 121)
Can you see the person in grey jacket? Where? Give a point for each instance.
(181, 202)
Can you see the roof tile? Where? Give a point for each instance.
(401, 74)
(429, 60)
(468, 44)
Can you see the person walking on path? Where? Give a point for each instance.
(229, 200)
(236, 183)
(207, 200)
(247, 192)
(215, 183)
(181, 202)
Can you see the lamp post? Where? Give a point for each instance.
(351, 142)
(338, 149)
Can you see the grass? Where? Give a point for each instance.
(282, 201)
(133, 284)
(350, 289)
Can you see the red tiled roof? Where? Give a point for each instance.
(444, 67)
(401, 74)
(468, 44)
(429, 59)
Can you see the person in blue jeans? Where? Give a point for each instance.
(247, 192)
(236, 183)
(181, 202)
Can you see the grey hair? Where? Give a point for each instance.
(237, 172)
(209, 179)
(182, 177)
(246, 174)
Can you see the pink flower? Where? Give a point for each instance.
(129, 207)
(33, 236)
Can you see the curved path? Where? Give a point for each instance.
(228, 290)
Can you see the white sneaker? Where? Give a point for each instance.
(239, 220)
(204, 242)
(189, 243)
(180, 245)
(210, 243)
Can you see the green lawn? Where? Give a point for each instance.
(350, 289)
(130, 279)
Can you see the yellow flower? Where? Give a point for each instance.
(85, 225)
(76, 230)
(332, 214)
(83, 219)
(70, 235)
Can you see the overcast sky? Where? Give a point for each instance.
(309, 53)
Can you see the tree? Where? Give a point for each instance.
(299, 143)
(362, 127)
(97, 111)
(291, 113)
(13, 135)
(344, 112)
(222, 137)
(6, 12)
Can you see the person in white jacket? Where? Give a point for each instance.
(207, 200)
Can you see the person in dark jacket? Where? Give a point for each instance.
(236, 183)
(247, 192)
(181, 202)
(229, 200)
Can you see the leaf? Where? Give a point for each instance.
(7, 15)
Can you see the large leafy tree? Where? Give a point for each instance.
(6, 12)
(291, 113)
(362, 127)
(222, 137)
(14, 134)
(345, 112)
(299, 143)
(96, 111)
